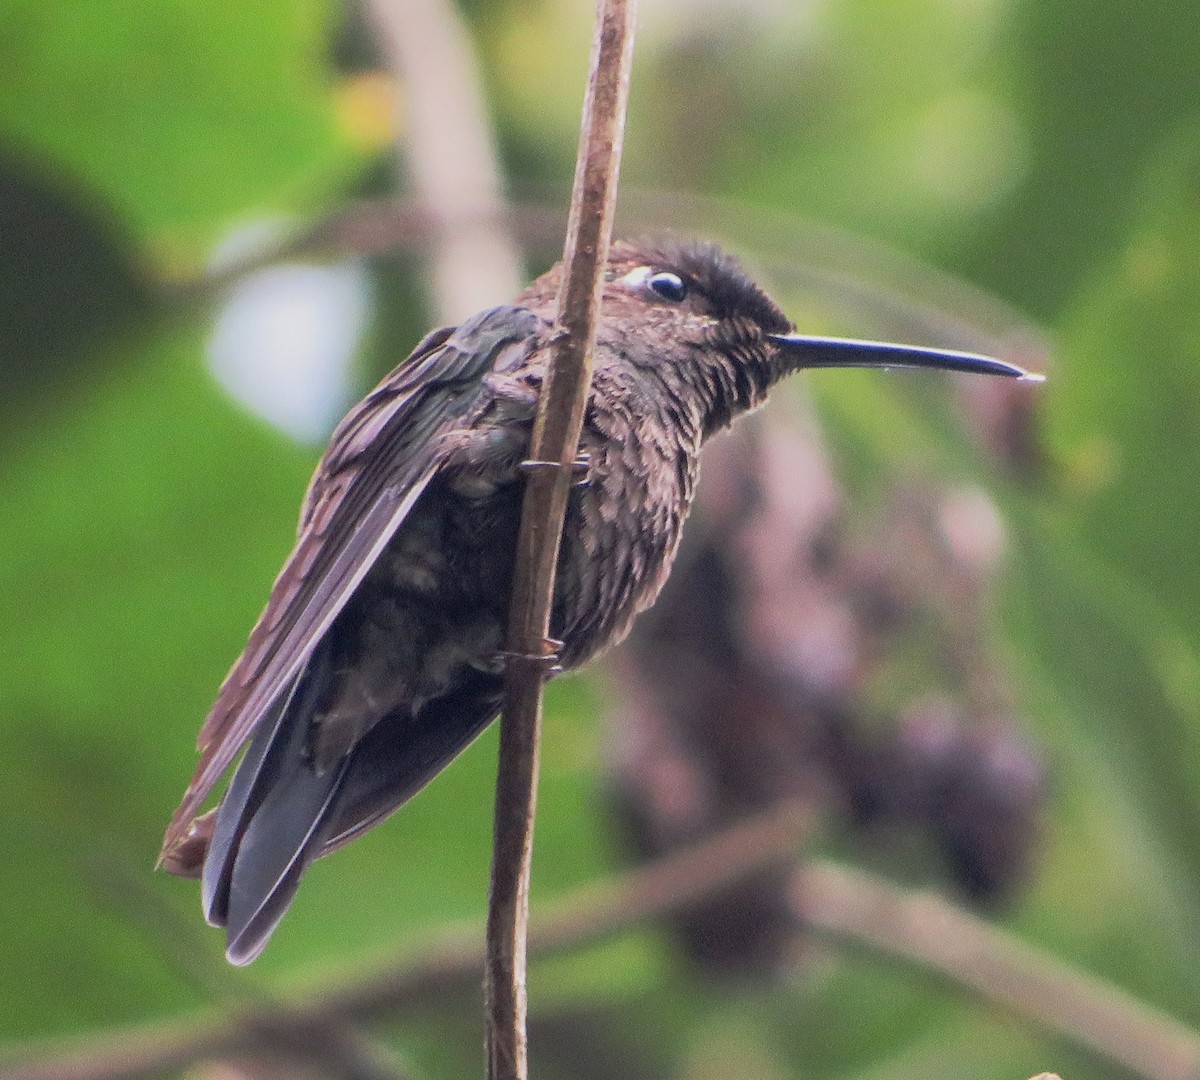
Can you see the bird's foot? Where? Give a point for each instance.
(547, 661)
(581, 468)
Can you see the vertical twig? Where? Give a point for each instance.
(556, 440)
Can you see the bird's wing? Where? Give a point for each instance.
(381, 458)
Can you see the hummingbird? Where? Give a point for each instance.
(380, 654)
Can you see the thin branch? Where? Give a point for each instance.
(450, 155)
(555, 441)
(849, 905)
(932, 933)
(447, 966)
(333, 1048)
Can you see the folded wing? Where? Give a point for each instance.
(381, 458)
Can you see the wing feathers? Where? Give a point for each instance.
(381, 458)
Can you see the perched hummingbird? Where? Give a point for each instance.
(379, 656)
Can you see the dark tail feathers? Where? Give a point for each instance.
(279, 814)
(270, 824)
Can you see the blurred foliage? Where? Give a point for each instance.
(1046, 149)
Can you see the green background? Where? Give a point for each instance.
(1045, 150)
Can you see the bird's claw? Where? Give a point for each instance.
(580, 468)
(547, 662)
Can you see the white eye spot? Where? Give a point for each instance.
(655, 284)
(635, 280)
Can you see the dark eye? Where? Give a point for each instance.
(667, 285)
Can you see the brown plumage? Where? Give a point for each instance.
(378, 657)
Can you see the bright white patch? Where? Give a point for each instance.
(285, 339)
(636, 278)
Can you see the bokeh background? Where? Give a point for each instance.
(166, 383)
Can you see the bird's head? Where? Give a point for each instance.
(688, 311)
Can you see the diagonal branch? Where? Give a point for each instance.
(555, 441)
(446, 965)
(847, 905)
(935, 935)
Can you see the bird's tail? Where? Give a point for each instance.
(271, 821)
(280, 813)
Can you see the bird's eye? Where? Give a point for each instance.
(668, 285)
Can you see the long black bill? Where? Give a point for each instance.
(814, 351)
